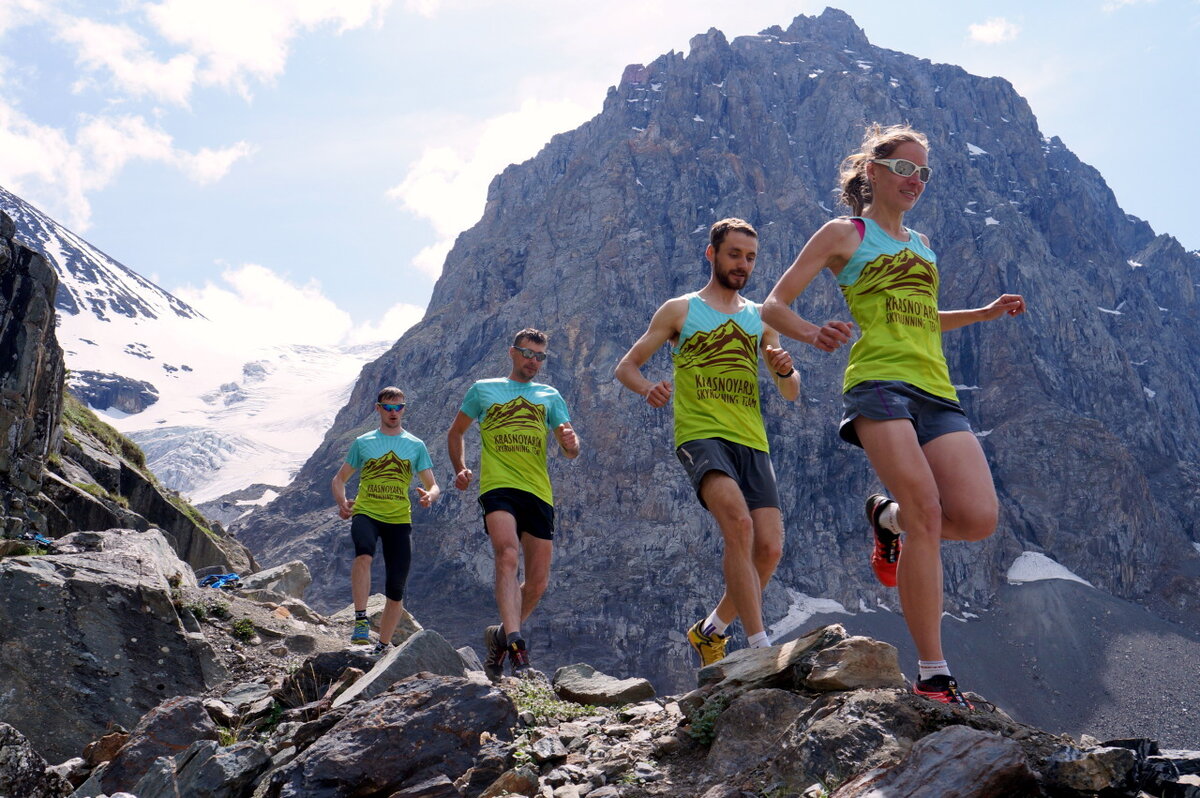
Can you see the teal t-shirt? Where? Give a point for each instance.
(386, 464)
(515, 419)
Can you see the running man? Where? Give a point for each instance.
(388, 456)
(717, 335)
(514, 413)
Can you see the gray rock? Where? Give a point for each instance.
(437, 787)
(786, 665)
(419, 728)
(244, 694)
(290, 579)
(1095, 770)
(548, 750)
(75, 770)
(164, 731)
(426, 651)
(956, 762)
(207, 770)
(127, 649)
(471, 660)
(23, 772)
(856, 662)
(583, 684)
(749, 728)
(520, 780)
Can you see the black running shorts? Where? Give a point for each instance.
(531, 513)
(750, 468)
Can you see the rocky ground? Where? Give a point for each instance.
(283, 706)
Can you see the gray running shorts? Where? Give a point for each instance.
(883, 400)
(750, 468)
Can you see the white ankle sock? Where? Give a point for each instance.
(930, 668)
(889, 518)
(759, 640)
(714, 625)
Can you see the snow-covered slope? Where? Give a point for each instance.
(214, 410)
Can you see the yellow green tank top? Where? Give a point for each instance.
(716, 376)
(891, 288)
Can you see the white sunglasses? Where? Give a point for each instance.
(905, 168)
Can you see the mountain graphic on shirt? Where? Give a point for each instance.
(387, 468)
(726, 348)
(519, 413)
(906, 272)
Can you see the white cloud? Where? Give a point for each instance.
(996, 30)
(1115, 5)
(45, 167)
(395, 322)
(447, 184)
(236, 41)
(125, 54)
(208, 165)
(265, 307)
(256, 304)
(429, 260)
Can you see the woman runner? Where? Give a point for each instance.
(898, 402)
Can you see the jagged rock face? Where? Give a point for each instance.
(94, 487)
(91, 637)
(31, 374)
(101, 390)
(1079, 402)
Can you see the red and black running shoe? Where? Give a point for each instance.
(941, 688)
(886, 552)
(518, 658)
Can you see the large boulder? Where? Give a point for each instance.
(419, 729)
(583, 684)
(425, 652)
(169, 729)
(91, 637)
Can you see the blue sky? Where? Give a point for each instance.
(287, 159)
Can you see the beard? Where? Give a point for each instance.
(731, 280)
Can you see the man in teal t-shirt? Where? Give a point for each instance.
(515, 414)
(386, 458)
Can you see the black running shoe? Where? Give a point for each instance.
(493, 642)
(518, 658)
(943, 689)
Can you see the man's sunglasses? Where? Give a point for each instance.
(392, 408)
(529, 353)
(905, 168)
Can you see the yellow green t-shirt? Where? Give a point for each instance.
(891, 288)
(386, 464)
(716, 376)
(515, 419)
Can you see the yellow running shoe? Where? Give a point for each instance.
(711, 648)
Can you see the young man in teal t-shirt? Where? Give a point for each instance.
(387, 458)
(515, 414)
